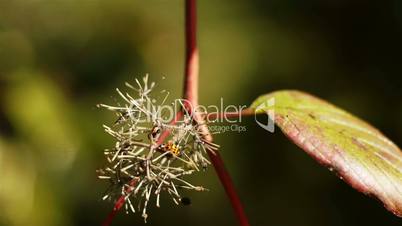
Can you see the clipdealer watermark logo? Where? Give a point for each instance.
(267, 107)
(219, 118)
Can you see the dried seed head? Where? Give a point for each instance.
(137, 167)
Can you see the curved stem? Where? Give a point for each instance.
(227, 183)
(191, 95)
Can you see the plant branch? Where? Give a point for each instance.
(119, 203)
(166, 133)
(191, 95)
(228, 115)
(191, 61)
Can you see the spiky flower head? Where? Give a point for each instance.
(151, 155)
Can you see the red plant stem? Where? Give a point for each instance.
(228, 115)
(225, 179)
(118, 204)
(166, 133)
(191, 95)
(191, 64)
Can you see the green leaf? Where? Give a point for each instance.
(359, 154)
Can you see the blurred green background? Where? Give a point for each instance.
(59, 58)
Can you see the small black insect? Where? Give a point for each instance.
(185, 201)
